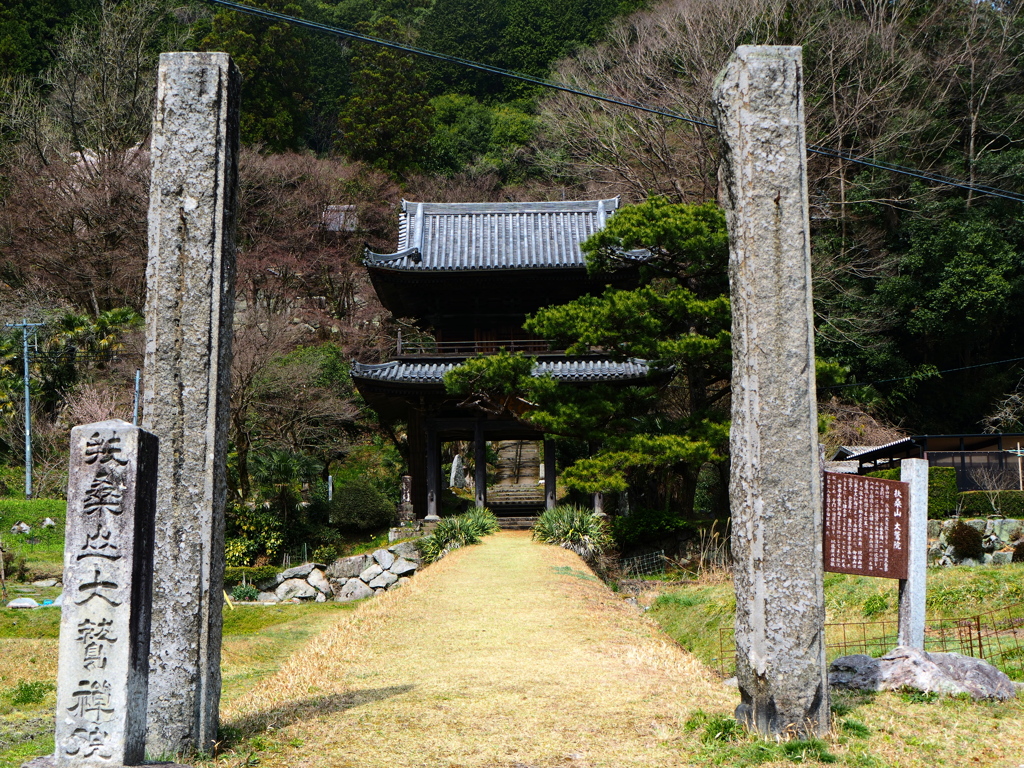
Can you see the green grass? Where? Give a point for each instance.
(250, 619)
(696, 614)
(43, 548)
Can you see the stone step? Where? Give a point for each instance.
(517, 523)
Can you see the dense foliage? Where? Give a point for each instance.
(573, 527)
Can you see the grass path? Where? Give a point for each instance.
(509, 653)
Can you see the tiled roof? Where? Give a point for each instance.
(476, 236)
(881, 449)
(563, 370)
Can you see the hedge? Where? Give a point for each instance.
(253, 575)
(943, 494)
(976, 504)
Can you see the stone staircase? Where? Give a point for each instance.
(516, 488)
(517, 523)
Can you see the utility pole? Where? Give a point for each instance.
(25, 325)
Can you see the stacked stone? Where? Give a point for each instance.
(999, 537)
(346, 579)
(353, 578)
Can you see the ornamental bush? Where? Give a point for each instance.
(575, 528)
(485, 520)
(966, 541)
(979, 503)
(450, 534)
(245, 593)
(358, 505)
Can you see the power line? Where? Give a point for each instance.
(928, 375)
(545, 83)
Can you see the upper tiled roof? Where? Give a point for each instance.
(475, 236)
(563, 370)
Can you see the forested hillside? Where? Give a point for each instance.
(916, 282)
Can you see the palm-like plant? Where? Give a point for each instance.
(575, 528)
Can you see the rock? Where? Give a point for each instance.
(946, 673)
(318, 581)
(401, 582)
(371, 572)
(354, 589)
(298, 572)
(268, 597)
(731, 682)
(23, 602)
(986, 559)
(1002, 558)
(978, 525)
(20, 527)
(346, 567)
(295, 588)
(970, 562)
(321, 597)
(58, 601)
(407, 550)
(49, 522)
(934, 527)
(45, 583)
(384, 558)
(403, 567)
(385, 579)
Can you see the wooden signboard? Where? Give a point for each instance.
(866, 525)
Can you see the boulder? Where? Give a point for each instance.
(371, 572)
(321, 597)
(934, 526)
(58, 601)
(45, 583)
(403, 567)
(23, 602)
(268, 597)
(384, 580)
(946, 673)
(408, 550)
(20, 527)
(384, 558)
(401, 582)
(319, 581)
(298, 572)
(354, 589)
(345, 568)
(295, 588)
(49, 522)
(1002, 558)
(1008, 530)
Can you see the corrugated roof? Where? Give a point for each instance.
(563, 370)
(476, 236)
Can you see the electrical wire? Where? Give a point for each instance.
(936, 178)
(925, 375)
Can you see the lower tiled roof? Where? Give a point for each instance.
(563, 370)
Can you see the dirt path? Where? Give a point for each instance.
(508, 653)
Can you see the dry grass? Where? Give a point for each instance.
(508, 653)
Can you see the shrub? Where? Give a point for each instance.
(236, 575)
(359, 505)
(966, 541)
(326, 554)
(977, 503)
(15, 567)
(239, 552)
(642, 525)
(483, 519)
(245, 593)
(575, 528)
(30, 693)
(450, 534)
(1018, 553)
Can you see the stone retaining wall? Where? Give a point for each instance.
(999, 537)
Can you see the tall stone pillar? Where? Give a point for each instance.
(775, 485)
(550, 487)
(912, 590)
(189, 308)
(480, 464)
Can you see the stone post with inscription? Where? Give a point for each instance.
(103, 660)
(189, 308)
(913, 589)
(775, 485)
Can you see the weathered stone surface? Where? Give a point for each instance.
(23, 602)
(775, 487)
(383, 580)
(407, 550)
(299, 571)
(403, 567)
(268, 597)
(189, 308)
(371, 572)
(103, 657)
(321, 597)
(904, 667)
(20, 527)
(347, 567)
(45, 583)
(912, 590)
(401, 582)
(318, 580)
(295, 588)
(354, 589)
(1002, 558)
(384, 558)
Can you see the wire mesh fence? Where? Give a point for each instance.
(645, 565)
(996, 636)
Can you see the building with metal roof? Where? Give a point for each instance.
(467, 275)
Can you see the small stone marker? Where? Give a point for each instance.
(104, 628)
(189, 309)
(775, 488)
